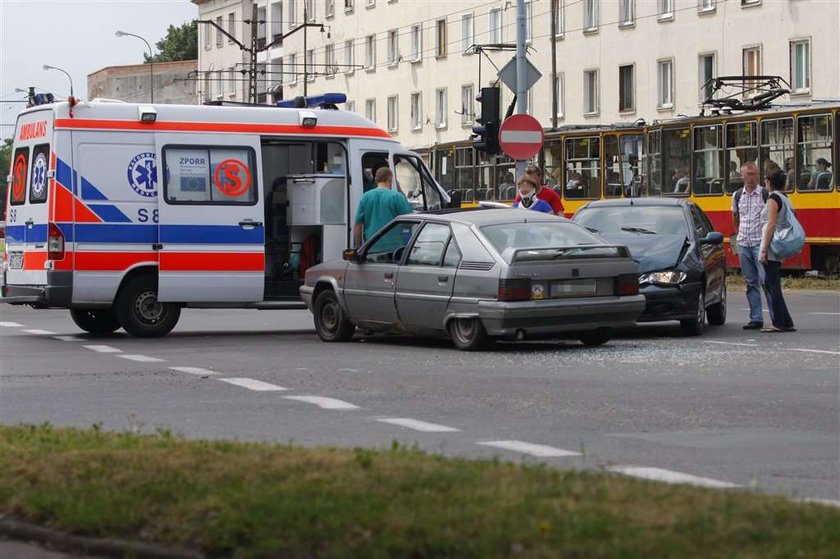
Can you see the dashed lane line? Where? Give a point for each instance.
(36, 332)
(669, 476)
(540, 450)
(826, 313)
(252, 384)
(730, 343)
(417, 425)
(103, 349)
(197, 371)
(68, 339)
(141, 358)
(324, 403)
(11, 325)
(823, 351)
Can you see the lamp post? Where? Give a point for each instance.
(48, 67)
(151, 62)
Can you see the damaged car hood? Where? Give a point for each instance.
(651, 252)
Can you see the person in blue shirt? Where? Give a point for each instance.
(378, 206)
(528, 199)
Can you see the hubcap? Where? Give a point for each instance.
(464, 327)
(147, 307)
(329, 317)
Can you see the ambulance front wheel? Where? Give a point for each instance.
(96, 321)
(141, 314)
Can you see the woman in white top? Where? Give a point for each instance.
(775, 216)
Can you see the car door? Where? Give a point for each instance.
(370, 283)
(427, 277)
(712, 255)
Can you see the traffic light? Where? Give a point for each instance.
(485, 136)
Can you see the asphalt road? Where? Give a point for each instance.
(730, 408)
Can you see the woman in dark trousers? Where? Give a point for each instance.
(775, 216)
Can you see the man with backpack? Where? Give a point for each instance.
(747, 204)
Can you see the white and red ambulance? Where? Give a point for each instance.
(127, 213)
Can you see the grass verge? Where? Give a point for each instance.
(822, 283)
(252, 500)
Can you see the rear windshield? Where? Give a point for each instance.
(505, 236)
(662, 220)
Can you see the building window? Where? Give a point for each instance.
(370, 4)
(559, 91)
(219, 31)
(220, 83)
(706, 66)
(495, 25)
(348, 6)
(750, 2)
(349, 58)
(560, 30)
(800, 66)
(467, 107)
(529, 21)
(665, 84)
(416, 42)
(231, 86)
(706, 5)
(309, 6)
(440, 108)
(370, 52)
(393, 114)
(330, 8)
(751, 67)
(590, 92)
(208, 93)
(467, 32)
(329, 56)
(440, 38)
(310, 62)
(231, 29)
(350, 106)
(206, 31)
(276, 21)
(292, 69)
(292, 14)
(627, 13)
(665, 9)
(626, 89)
(370, 109)
(261, 28)
(590, 15)
(416, 112)
(393, 47)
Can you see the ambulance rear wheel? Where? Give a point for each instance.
(95, 321)
(141, 314)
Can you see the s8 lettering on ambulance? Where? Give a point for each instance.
(125, 214)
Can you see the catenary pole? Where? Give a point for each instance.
(521, 85)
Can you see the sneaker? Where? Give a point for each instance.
(752, 325)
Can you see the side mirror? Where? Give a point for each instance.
(712, 238)
(454, 198)
(352, 255)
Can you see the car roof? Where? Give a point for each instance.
(653, 201)
(480, 217)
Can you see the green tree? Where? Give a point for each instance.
(5, 158)
(180, 43)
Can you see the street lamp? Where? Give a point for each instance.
(151, 62)
(48, 67)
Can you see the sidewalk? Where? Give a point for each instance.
(17, 550)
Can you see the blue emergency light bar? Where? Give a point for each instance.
(325, 101)
(42, 99)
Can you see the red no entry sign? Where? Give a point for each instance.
(521, 137)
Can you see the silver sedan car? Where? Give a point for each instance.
(477, 275)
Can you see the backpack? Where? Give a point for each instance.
(789, 240)
(765, 195)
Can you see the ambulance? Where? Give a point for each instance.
(125, 214)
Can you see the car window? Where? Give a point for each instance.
(389, 245)
(453, 256)
(662, 220)
(535, 235)
(429, 246)
(699, 226)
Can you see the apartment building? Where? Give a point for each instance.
(412, 66)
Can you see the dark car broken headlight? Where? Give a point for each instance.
(670, 277)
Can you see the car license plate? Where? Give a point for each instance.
(16, 261)
(574, 288)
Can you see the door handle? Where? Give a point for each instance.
(246, 223)
(443, 279)
(389, 275)
(29, 223)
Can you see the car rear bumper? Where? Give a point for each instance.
(57, 292)
(556, 316)
(669, 302)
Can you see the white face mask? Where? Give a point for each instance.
(526, 197)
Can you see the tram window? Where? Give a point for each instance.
(653, 164)
(676, 158)
(612, 167)
(708, 161)
(583, 162)
(553, 175)
(776, 150)
(814, 153)
(741, 147)
(631, 156)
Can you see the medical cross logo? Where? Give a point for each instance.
(142, 174)
(39, 176)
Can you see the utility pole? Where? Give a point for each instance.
(252, 81)
(305, 62)
(553, 40)
(521, 84)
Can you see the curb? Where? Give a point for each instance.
(55, 540)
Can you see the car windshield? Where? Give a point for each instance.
(505, 236)
(660, 220)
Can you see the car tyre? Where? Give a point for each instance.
(141, 314)
(96, 321)
(716, 314)
(694, 326)
(595, 338)
(468, 334)
(331, 324)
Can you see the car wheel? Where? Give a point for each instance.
(694, 326)
(717, 313)
(330, 323)
(96, 321)
(468, 334)
(141, 314)
(595, 338)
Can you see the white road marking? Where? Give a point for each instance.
(324, 403)
(825, 313)
(668, 476)
(815, 351)
(103, 349)
(37, 332)
(198, 371)
(11, 325)
(141, 358)
(765, 311)
(417, 425)
(827, 502)
(69, 339)
(730, 343)
(252, 384)
(540, 450)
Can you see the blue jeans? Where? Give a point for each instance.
(753, 273)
